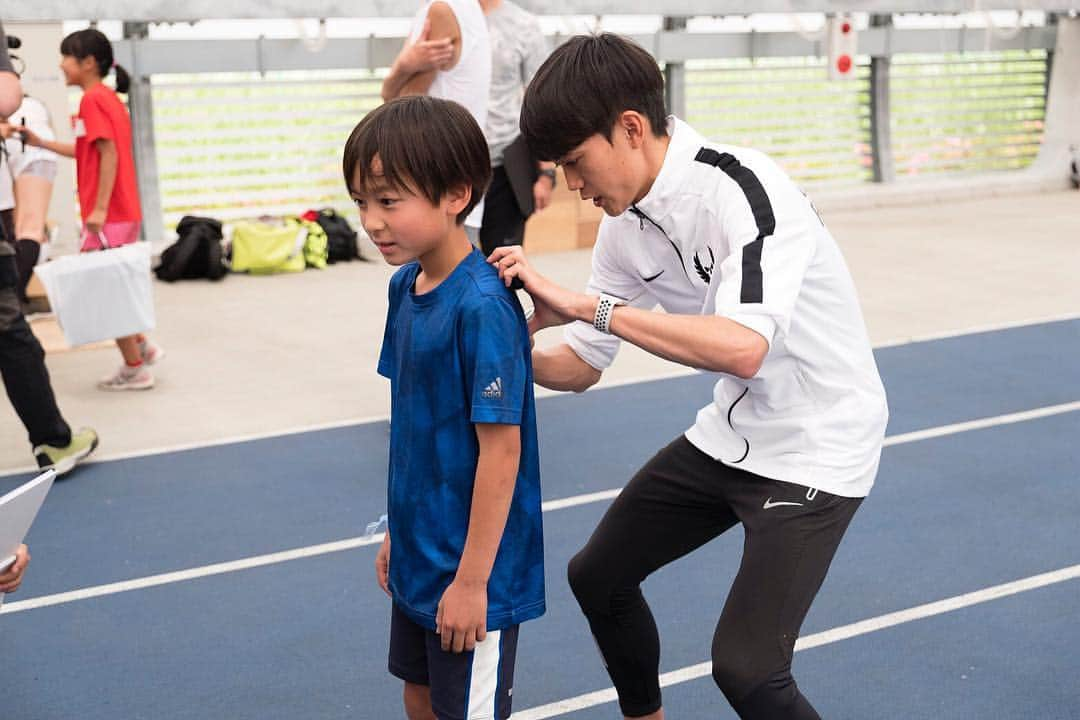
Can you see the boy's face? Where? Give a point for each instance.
(610, 174)
(403, 225)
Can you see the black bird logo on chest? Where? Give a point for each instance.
(705, 273)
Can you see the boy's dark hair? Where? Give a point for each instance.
(93, 43)
(426, 146)
(583, 87)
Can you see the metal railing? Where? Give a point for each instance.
(261, 138)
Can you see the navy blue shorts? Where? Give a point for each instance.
(477, 685)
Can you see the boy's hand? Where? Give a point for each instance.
(554, 305)
(382, 565)
(461, 621)
(12, 577)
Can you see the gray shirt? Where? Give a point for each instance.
(518, 48)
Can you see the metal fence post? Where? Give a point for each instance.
(141, 107)
(675, 74)
(880, 130)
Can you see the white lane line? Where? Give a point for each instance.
(550, 505)
(844, 632)
(982, 423)
(192, 574)
(251, 562)
(541, 392)
(975, 330)
(102, 457)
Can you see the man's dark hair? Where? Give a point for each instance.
(426, 146)
(583, 88)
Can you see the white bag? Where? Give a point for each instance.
(101, 295)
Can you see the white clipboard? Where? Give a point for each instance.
(18, 509)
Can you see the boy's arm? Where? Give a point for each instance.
(438, 47)
(106, 182)
(462, 615)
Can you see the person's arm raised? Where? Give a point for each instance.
(706, 342)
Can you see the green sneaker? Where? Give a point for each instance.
(63, 459)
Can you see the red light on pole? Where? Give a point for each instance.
(842, 45)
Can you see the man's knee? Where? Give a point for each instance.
(733, 674)
(743, 663)
(587, 583)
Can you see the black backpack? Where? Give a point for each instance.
(196, 254)
(340, 236)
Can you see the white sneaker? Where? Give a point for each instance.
(128, 378)
(151, 352)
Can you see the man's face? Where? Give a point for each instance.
(607, 173)
(403, 225)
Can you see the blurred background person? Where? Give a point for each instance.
(520, 184)
(33, 170)
(447, 55)
(22, 361)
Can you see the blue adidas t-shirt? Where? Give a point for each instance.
(455, 356)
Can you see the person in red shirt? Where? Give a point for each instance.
(108, 193)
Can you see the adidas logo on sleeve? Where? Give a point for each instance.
(493, 391)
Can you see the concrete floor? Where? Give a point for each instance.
(264, 355)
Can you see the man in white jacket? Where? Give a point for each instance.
(753, 288)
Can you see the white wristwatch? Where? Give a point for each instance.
(604, 306)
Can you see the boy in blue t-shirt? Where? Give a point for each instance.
(464, 482)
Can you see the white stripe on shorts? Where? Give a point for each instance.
(484, 679)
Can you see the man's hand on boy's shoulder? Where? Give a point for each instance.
(382, 565)
(461, 621)
(552, 304)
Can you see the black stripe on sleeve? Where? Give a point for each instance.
(752, 290)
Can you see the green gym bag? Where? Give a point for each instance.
(265, 248)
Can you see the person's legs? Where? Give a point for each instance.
(129, 350)
(786, 554)
(22, 363)
(135, 349)
(33, 190)
(503, 222)
(671, 506)
(452, 686)
(32, 193)
(474, 685)
(408, 662)
(417, 700)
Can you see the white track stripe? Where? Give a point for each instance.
(995, 327)
(550, 505)
(981, 424)
(844, 632)
(541, 392)
(192, 574)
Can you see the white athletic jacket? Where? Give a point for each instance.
(723, 230)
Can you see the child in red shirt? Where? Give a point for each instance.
(108, 193)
